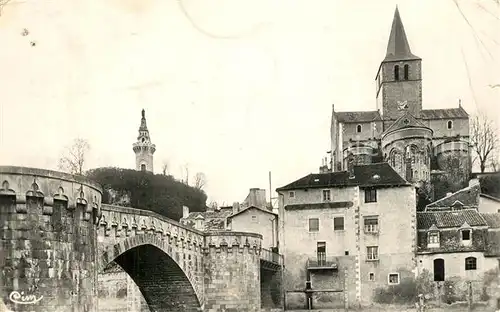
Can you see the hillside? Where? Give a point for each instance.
(144, 190)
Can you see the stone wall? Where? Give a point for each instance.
(119, 293)
(402, 90)
(48, 240)
(232, 272)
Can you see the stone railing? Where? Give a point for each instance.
(271, 256)
(46, 190)
(117, 222)
(323, 262)
(230, 239)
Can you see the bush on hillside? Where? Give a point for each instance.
(490, 185)
(158, 193)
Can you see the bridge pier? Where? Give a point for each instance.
(232, 272)
(48, 240)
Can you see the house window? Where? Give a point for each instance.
(372, 253)
(470, 263)
(291, 194)
(393, 279)
(371, 276)
(143, 167)
(254, 219)
(326, 195)
(438, 270)
(313, 225)
(371, 225)
(407, 72)
(370, 196)
(338, 224)
(396, 72)
(466, 236)
(450, 124)
(433, 239)
(358, 128)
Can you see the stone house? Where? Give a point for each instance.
(348, 230)
(459, 244)
(251, 215)
(256, 220)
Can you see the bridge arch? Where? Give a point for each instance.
(162, 273)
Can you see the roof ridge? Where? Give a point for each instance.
(475, 183)
(395, 125)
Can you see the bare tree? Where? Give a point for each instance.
(200, 180)
(164, 167)
(73, 158)
(213, 204)
(495, 163)
(185, 173)
(483, 139)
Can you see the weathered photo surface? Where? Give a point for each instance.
(249, 156)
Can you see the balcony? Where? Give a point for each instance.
(322, 262)
(270, 259)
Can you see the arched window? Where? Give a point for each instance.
(407, 72)
(450, 124)
(358, 128)
(438, 270)
(143, 167)
(396, 72)
(470, 263)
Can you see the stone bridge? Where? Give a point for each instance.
(57, 237)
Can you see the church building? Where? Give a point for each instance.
(422, 145)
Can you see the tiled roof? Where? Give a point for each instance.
(449, 219)
(222, 213)
(492, 219)
(446, 113)
(466, 197)
(343, 204)
(367, 116)
(378, 174)
(251, 207)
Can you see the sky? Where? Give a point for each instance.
(231, 88)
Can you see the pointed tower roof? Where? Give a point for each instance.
(398, 47)
(143, 126)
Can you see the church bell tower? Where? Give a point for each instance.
(399, 78)
(143, 148)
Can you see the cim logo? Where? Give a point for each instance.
(21, 298)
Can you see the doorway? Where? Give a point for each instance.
(438, 270)
(321, 253)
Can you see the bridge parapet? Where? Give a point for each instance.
(48, 240)
(119, 222)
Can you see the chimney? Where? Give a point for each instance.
(324, 166)
(185, 211)
(236, 207)
(257, 198)
(211, 208)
